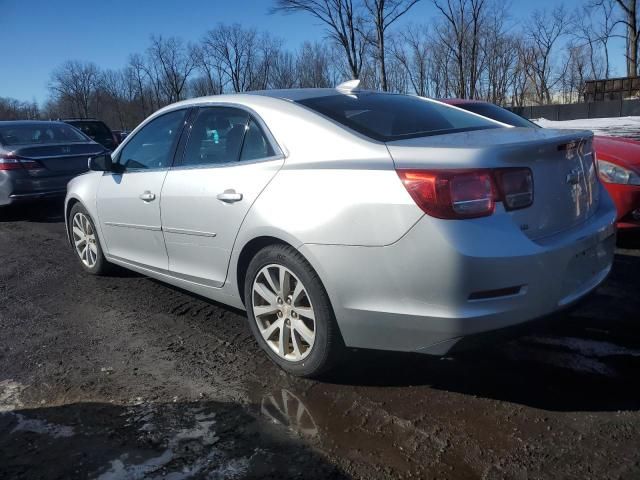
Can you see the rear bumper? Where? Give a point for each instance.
(18, 187)
(447, 280)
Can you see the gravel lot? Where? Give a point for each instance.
(124, 377)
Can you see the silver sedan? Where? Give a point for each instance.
(341, 218)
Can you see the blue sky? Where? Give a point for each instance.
(38, 35)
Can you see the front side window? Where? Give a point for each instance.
(388, 117)
(152, 147)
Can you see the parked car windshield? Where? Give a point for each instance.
(29, 134)
(497, 113)
(98, 131)
(388, 117)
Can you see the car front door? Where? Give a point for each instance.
(128, 199)
(227, 161)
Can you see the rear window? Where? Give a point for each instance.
(34, 134)
(97, 131)
(497, 113)
(388, 117)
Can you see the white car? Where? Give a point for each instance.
(345, 218)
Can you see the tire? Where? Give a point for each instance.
(95, 263)
(301, 357)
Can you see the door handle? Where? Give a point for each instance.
(229, 196)
(147, 196)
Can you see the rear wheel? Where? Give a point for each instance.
(84, 239)
(290, 314)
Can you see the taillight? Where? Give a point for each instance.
(515, 186)
(8, 163)
(459, 194)
(116, 140)
(11, 162)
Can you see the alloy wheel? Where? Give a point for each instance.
(283, 311)
(84, 239)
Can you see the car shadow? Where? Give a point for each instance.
(629, 239)
(587, 359)
(183, 439)
(44, 211)
(522, 371)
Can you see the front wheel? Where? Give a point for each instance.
(86, 244)
(290, 314)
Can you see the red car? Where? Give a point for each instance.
(618, 160)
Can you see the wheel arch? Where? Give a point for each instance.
(69, 204)
(253, 246)
(248, 251)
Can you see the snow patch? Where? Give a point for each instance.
(618, 126)
(35, 425)
(10, 391)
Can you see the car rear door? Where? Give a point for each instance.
(128, 199)
(228, 160)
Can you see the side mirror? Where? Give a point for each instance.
(101, 162)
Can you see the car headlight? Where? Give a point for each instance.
(612, 173)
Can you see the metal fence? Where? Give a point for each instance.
(574, 111)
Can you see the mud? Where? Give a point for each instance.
(125, 377)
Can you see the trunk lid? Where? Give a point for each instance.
(562, 162)
(57, 159)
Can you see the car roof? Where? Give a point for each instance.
(296, 94)
(4, 123)
(290, 95)
(81, 120)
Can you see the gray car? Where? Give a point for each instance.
(37, 159)
(344, 218)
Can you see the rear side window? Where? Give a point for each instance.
(216, 136)
(256, 145)
(223, 135)
(389, 117)
(153, 145)
(40, 133)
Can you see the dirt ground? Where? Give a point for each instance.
(124, 377)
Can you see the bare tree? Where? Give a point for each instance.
(76, 82)
(211, 81)
(460, 33)
(114, 85)
(313, 66)
(413, 53)
(283, 72)
(173, 64)
(12, 109)
(136, 74)
(544, 31)
(343, 22)
(235, 50)
(383, 14)
(629, 9)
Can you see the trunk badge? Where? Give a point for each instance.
(573, 177)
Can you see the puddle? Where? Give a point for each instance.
(286, 409)
(172, 441)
